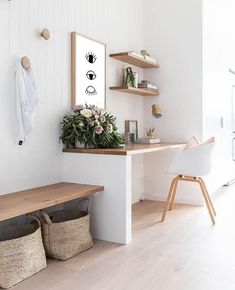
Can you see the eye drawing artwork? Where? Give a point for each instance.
(88, 71)
(91, 57)
(90, 91)
(91, 75)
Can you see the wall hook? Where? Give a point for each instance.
(25, 62)
(45, 33)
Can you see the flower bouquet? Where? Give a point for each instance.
(91, 127)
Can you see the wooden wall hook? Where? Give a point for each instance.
(25, 62)
(45, 33)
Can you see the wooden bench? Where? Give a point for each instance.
(27, 201)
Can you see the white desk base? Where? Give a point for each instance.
(111, 218)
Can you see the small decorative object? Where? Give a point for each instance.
(131, 131)
(156, 111)
(129, 138)
(88, 71)
(91, 127)
(129, 77)
(136, 79)
(150, 133)
(45, 34)
(147, 56)
(144, 52)
(151, 139)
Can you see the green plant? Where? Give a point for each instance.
(129, 79)
(90, 126)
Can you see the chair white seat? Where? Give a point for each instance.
(190, 165)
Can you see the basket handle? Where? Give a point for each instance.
(83, 205)
(33, 218)
(46, 217)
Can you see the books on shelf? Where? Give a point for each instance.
(148, 140)
(146, 57)
(149, 58)
(147, 86)
(139, 55)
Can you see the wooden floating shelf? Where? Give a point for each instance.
(135, 91)
(130, 58)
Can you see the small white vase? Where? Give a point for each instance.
(79, 145)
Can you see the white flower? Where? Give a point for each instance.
(86, 113)
(110, 128)
(96, 116)
(97, 122)
(80, 124)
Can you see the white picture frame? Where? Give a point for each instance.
(88, 75)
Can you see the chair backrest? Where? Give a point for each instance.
(195, 161)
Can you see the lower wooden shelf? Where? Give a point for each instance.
(136, 91)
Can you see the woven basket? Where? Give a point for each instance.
(21, 253)
(66, 233)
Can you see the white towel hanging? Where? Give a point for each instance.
(26, 100)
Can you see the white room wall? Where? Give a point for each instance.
(118, 23)
(171, 31)
(218, 57)
(173, 34)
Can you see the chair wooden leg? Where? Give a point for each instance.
(169, 197)
(174, 193)
(206, 201)
(208, 196)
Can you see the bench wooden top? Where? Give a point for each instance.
(23, 202)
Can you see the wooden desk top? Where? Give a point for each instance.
(131, 149)
(27, 201)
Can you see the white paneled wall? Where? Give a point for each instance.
(175, 38)
(118, 23)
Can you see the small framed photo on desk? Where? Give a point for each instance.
(131, 131)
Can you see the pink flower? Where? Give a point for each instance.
(78, 108)
(98, 130)
(102, 119)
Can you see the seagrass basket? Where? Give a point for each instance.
(67, 232)
(21, 252)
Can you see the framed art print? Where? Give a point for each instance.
(88, 61)
(131, 131)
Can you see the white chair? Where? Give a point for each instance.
(190, 165)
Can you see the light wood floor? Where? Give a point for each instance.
(183, 253)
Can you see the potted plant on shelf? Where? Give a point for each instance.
(90, 127)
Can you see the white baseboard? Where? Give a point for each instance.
(178, 199)
(137, 199)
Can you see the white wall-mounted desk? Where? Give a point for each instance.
(111, 209)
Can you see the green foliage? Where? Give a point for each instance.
(90, 126)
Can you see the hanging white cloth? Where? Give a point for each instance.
(26, 100)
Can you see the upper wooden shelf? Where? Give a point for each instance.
(133, 59)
